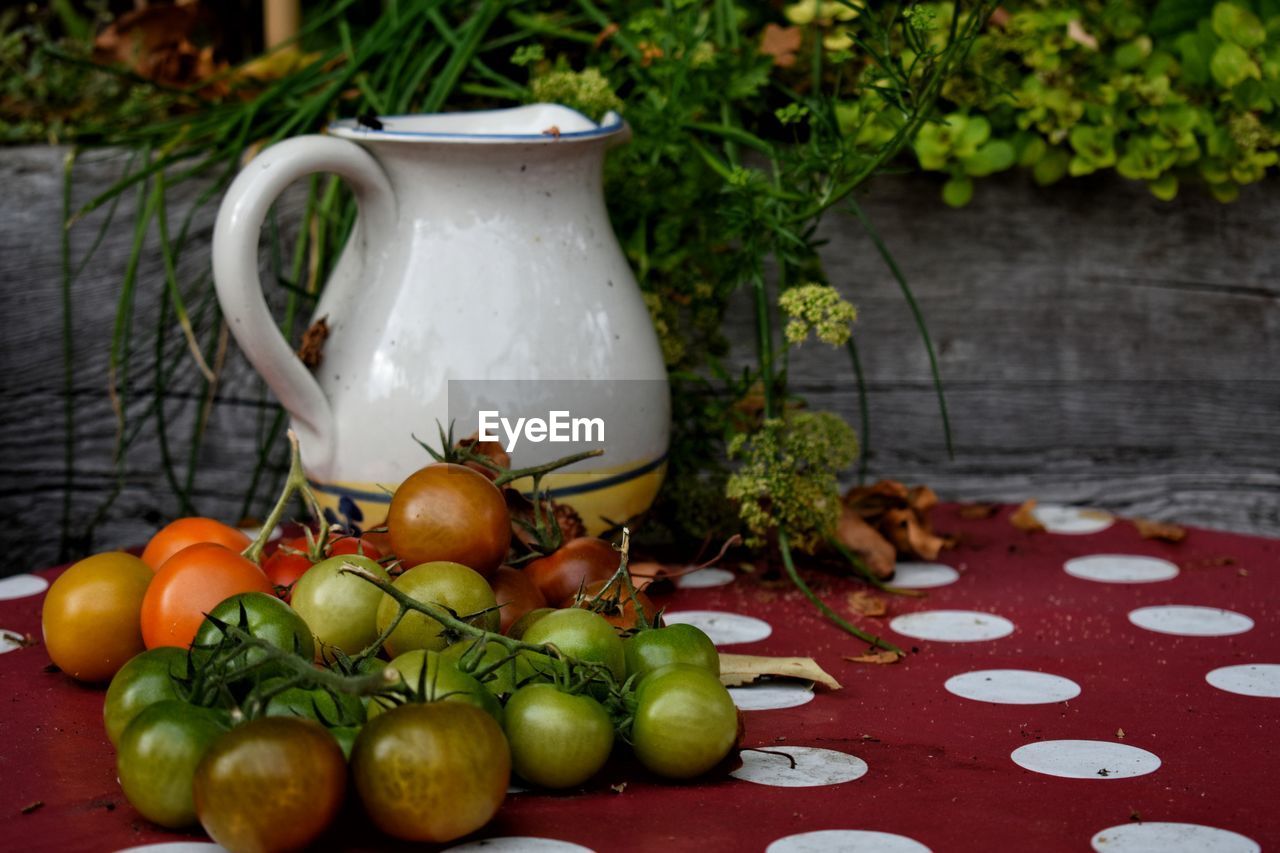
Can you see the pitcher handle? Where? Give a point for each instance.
(235, 268)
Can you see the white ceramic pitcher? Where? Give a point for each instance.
(482, 251)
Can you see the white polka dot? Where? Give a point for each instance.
(703, 578)
(9, 640)
(1012, 687)
(22, 586)
(923, 575)
(523, 844)
(1158, 837)
(851, 840)
(1085, 759)
(1187, 620)
(1072, 520)
(771, 697)
(952, 626)
(177, 847)
(724, 629)
(1120, 568)
(813, 767)
(1248, 679)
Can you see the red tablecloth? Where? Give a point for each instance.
(935, 767)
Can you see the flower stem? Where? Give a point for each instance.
(785, 547)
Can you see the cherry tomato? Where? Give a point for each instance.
(431, 772)
(449, 512)
(657, 647)
(558, 740)
(577, 563)
(685, 721)
(580, 634)
(522, 625)
(502, 681)
(450, 585)
(180, 533)
(90, 615)
(146, 679)
(157, 757)
(331, 710)
(439, 681)
(290, 560)
(275, 783)
(617, 607)
(341, 609)
(266, 617)
(190, 584)
(516, 594)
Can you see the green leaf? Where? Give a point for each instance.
(1131, 54)
(1195, 50)
(994, 156)
(1164, 187)
(1237, 25)
(958, 191)
(1231, 65)
(1225, 193)
(1052, 167)
(972, 133)
(1173, 16)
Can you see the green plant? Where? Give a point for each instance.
(1163, 93)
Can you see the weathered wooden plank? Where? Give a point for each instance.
(1099, 347)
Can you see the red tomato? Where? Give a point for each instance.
(577, 563)
(516, 595)
(182, 532)
(290, 561)
(190, 584)
(617, 608)
(446, 512)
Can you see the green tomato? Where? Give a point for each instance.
(685, 721)
(504, 680)
(558, 740)
(341, 609)
(655, 648)
(318, 704)
(440, 681)
(521, 625)
(579, 634)
(267, 617)
(145, 680)
(450, 585)
(157, 757)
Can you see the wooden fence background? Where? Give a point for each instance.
(1098, 347)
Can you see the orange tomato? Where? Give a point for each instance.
(90, 615)
(619, 610)
(180, 533)
(190, 584)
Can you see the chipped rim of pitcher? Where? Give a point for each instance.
(351, 128)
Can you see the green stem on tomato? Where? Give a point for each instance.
(545, 468)
(296, 481)
(785, 547)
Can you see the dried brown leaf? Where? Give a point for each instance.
(1024, 518)
(781, 43)
(736, 670)
(311, 350)
(864, 540)
(978, 511)
(866, 603)
(1149, 529)
(606, 34)
(880, 658)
